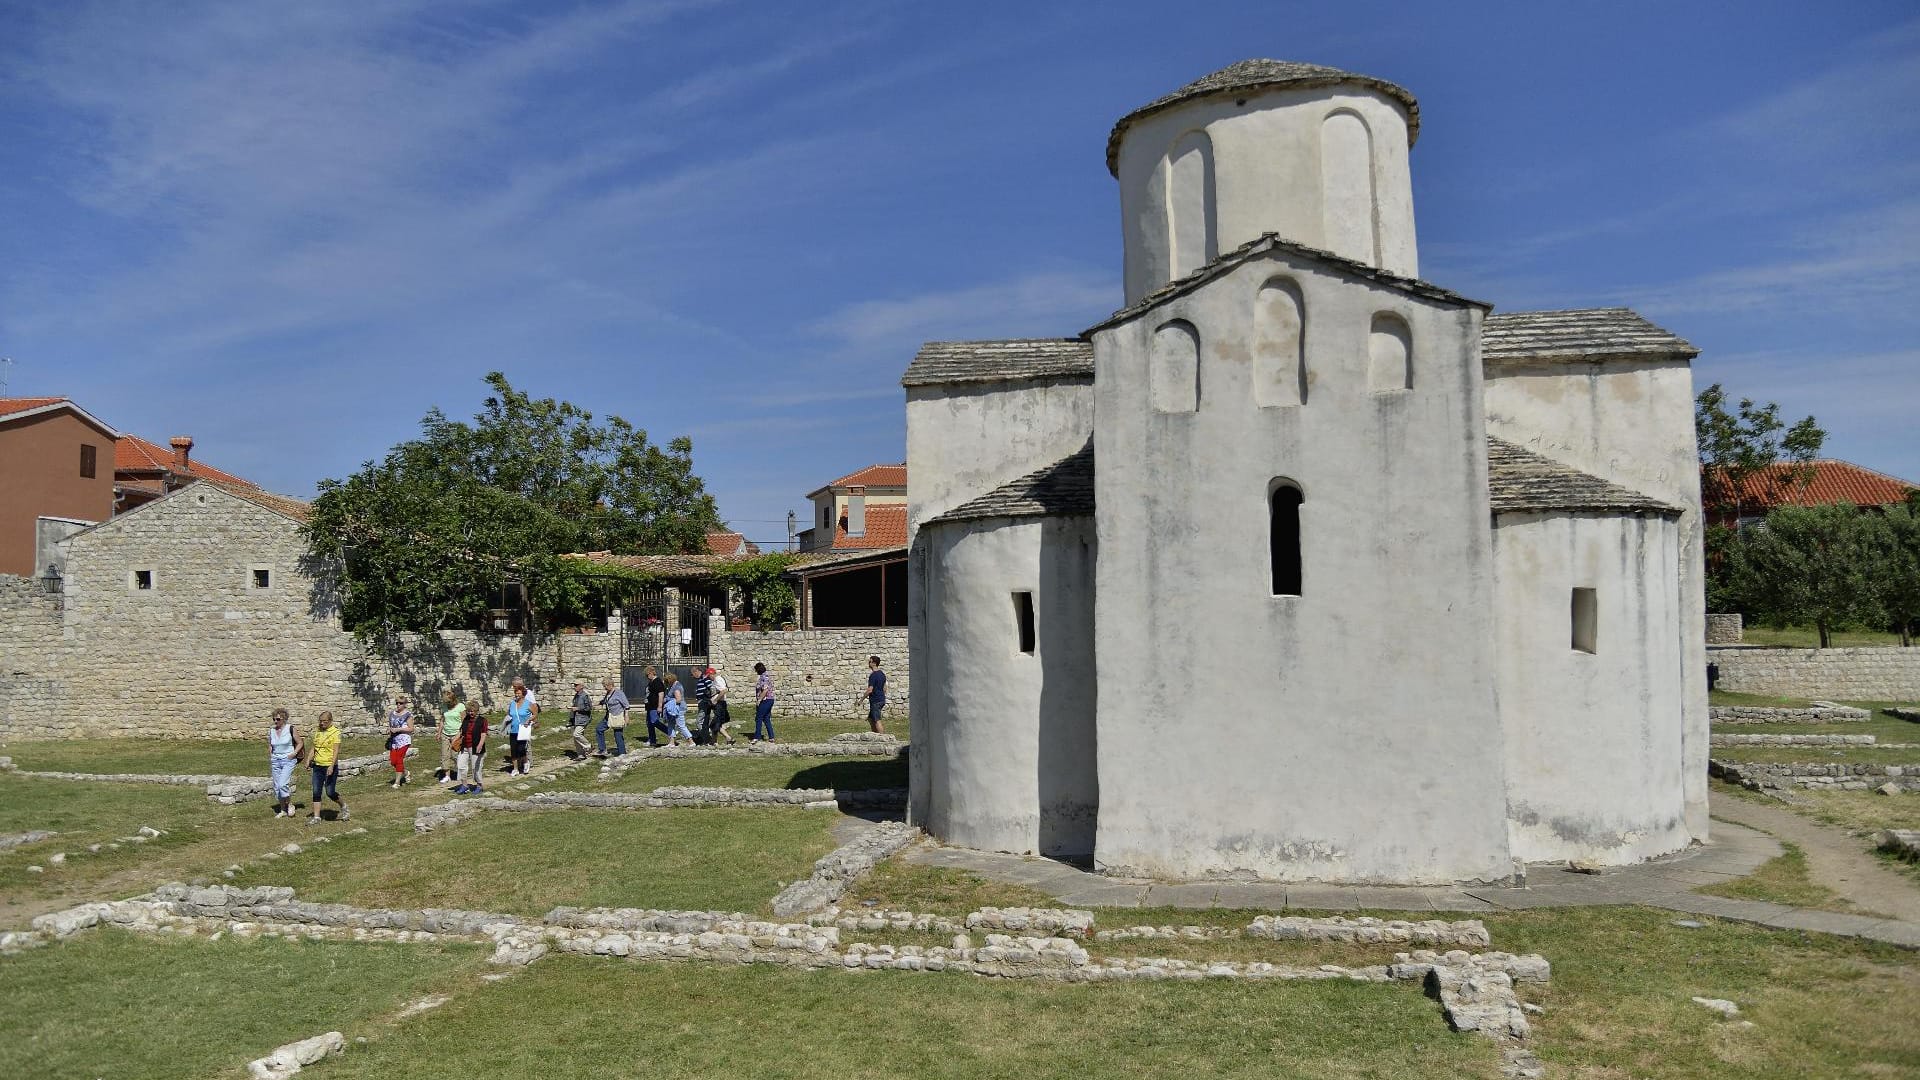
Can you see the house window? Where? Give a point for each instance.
(87, 461)
(1283, 536)
(262, 577)
(143, 579)
(1023, 615)
(1586, 621)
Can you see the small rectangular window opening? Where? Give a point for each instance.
(262, 579)
(1023, 613)
(1586, 619)
(87, 461)
(143, 579)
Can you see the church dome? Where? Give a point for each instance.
(1251, 75)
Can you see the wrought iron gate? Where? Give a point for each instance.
(644, 642)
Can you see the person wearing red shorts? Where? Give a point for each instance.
(399, 739)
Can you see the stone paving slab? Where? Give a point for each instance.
(1263, 896)
(1825, 922)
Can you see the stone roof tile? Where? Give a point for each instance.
(1589, 334)
(1521, 481)
(1249, 76)
(941, 363)
(1262, 244)
(1064, 487)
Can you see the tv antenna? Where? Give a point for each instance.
(6, 369)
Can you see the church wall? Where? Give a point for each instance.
(1275, 167)
(1008, 755)
(1592, 738)
(1630, 422)
(1349, 733)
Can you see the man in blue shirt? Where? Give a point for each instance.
(875, 695)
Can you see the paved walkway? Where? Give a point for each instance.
(1834, 858)
(1668, 882)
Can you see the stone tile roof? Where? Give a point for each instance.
(1262, 244)
(1064, 487)
(285, 505)
(1590, 334)
(940, 363)
(1521, 481)
(1827, 481)
(1248, 76)
(886, 527)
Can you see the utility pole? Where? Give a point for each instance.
(790, 523)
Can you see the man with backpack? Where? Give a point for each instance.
(578, 717)
(703, 696)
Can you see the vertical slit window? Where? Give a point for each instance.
(1284, 537)
(1023, 617)
(1586, 621)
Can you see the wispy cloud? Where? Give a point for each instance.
(1050, 304)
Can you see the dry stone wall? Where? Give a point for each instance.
(1725, 629)
(815, 672)
(198, 614)
(1867, 674)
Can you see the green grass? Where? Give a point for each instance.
(725, 859)
(1618, 1005)
(1806, 637)
(804, 729)
(1881, 725)
(938, 890)
(246, 757)
(90, 813)
(845, 774)
(113, 1004)
(1784, 880)
(675, 1022)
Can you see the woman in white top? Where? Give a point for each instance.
(283, 753)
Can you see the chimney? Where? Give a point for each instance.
(182, 449)
(857, 511)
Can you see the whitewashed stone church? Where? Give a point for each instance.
(1299, 567)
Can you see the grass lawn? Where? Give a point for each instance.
(722, 858)
(575, 1017)
(246, 757)
(846, 774)
(1784, 880)
(1806, 637)
(117, 1005)
(1881, 725)
(804, 729)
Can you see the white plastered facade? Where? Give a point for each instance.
(1414, 708)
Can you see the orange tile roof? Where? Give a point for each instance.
(886, 528)
(135, 454)
(875, 476)
(727, 542)
(1833, 481)
(12, 405)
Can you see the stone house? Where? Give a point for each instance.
(1299, 567)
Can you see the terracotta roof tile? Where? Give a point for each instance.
(1832, 481)
(875, 476)
(135, 454)
(886, 527)
(12, 405)
(727, 542)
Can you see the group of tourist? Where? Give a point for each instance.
(464, 730)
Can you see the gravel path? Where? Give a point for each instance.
(1834, 859)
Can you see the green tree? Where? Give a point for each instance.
(762, 579)
(1739, 448)
(426, 537)
(1899, 569)
(1812, 564)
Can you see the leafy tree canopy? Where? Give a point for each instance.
(1822, 565)
(1742, 443)
(428, 537)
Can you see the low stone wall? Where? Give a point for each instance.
(1835, 776)
(846, 744)
(1792, 740)
(1725, 629)
(1911, 716)
(1822, 712)
(1467, 933)
(815, 672)
(1883, 674)
(441, 815)
(835, 872)
(1902, 842)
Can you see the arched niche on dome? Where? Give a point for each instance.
(1349, 204)
(1192, 228)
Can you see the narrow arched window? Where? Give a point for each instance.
(1389, 354)
(1347, 200)
(1283, 534)
(1192, 240)
(1173, 373)
(1279, 356)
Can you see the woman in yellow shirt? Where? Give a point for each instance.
(326, 767)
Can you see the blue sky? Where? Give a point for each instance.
(290, 229)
